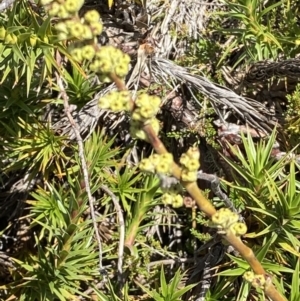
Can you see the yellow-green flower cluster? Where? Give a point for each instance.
(173, 196)
(228, 221)
(8, 38)
(257, 281)
(190, 164)
(2, 33)
(82, 53)
(161, 164)
(137, 132)
(146, 107)
(115, 101)
(62, 8)
(110, 60)
(175, 200)
(86, 28)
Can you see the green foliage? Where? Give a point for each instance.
(269, 190)
(63, 262)
(27, 38)
(59, 267)
(38, 145)
(292, 120)
(168, 291)
(261, 36)
(80, 88)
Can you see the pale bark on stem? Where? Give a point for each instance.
(83, 163)
(246, 253)
(120, 277)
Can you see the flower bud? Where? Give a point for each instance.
(167, 198)
(188, 176)
(193, 153)
(184, 159)
(10, 39)
(76, 54)
(71, 6)
(155, 158)
(2, 33)
(249, 276)
(147, 165)
(88, 52)
(33, 40)
(220, 217)
(104, 103)
(91, 16)
(77, 30)
(177, 201)
(193, 165)
(62, 13)
(163, 167)
(239, 229)
(54, 9)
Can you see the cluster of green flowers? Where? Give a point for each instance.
(116, 101)
(257, 281)
(11, 38)
(86, 28)
(190, 164)
(110, 60)
(162, 164)
(175, 200)
(103, 61)
(8, 38)
(72, 26)
(62, 8)
(146, 108)
(227, 220)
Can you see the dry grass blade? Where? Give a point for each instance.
(182, 18)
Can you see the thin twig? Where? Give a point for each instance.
(83, 166)
(169, 262)
(215, 255)
(121, 280)
(215, 187)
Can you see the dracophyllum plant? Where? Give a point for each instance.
(112, 65)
